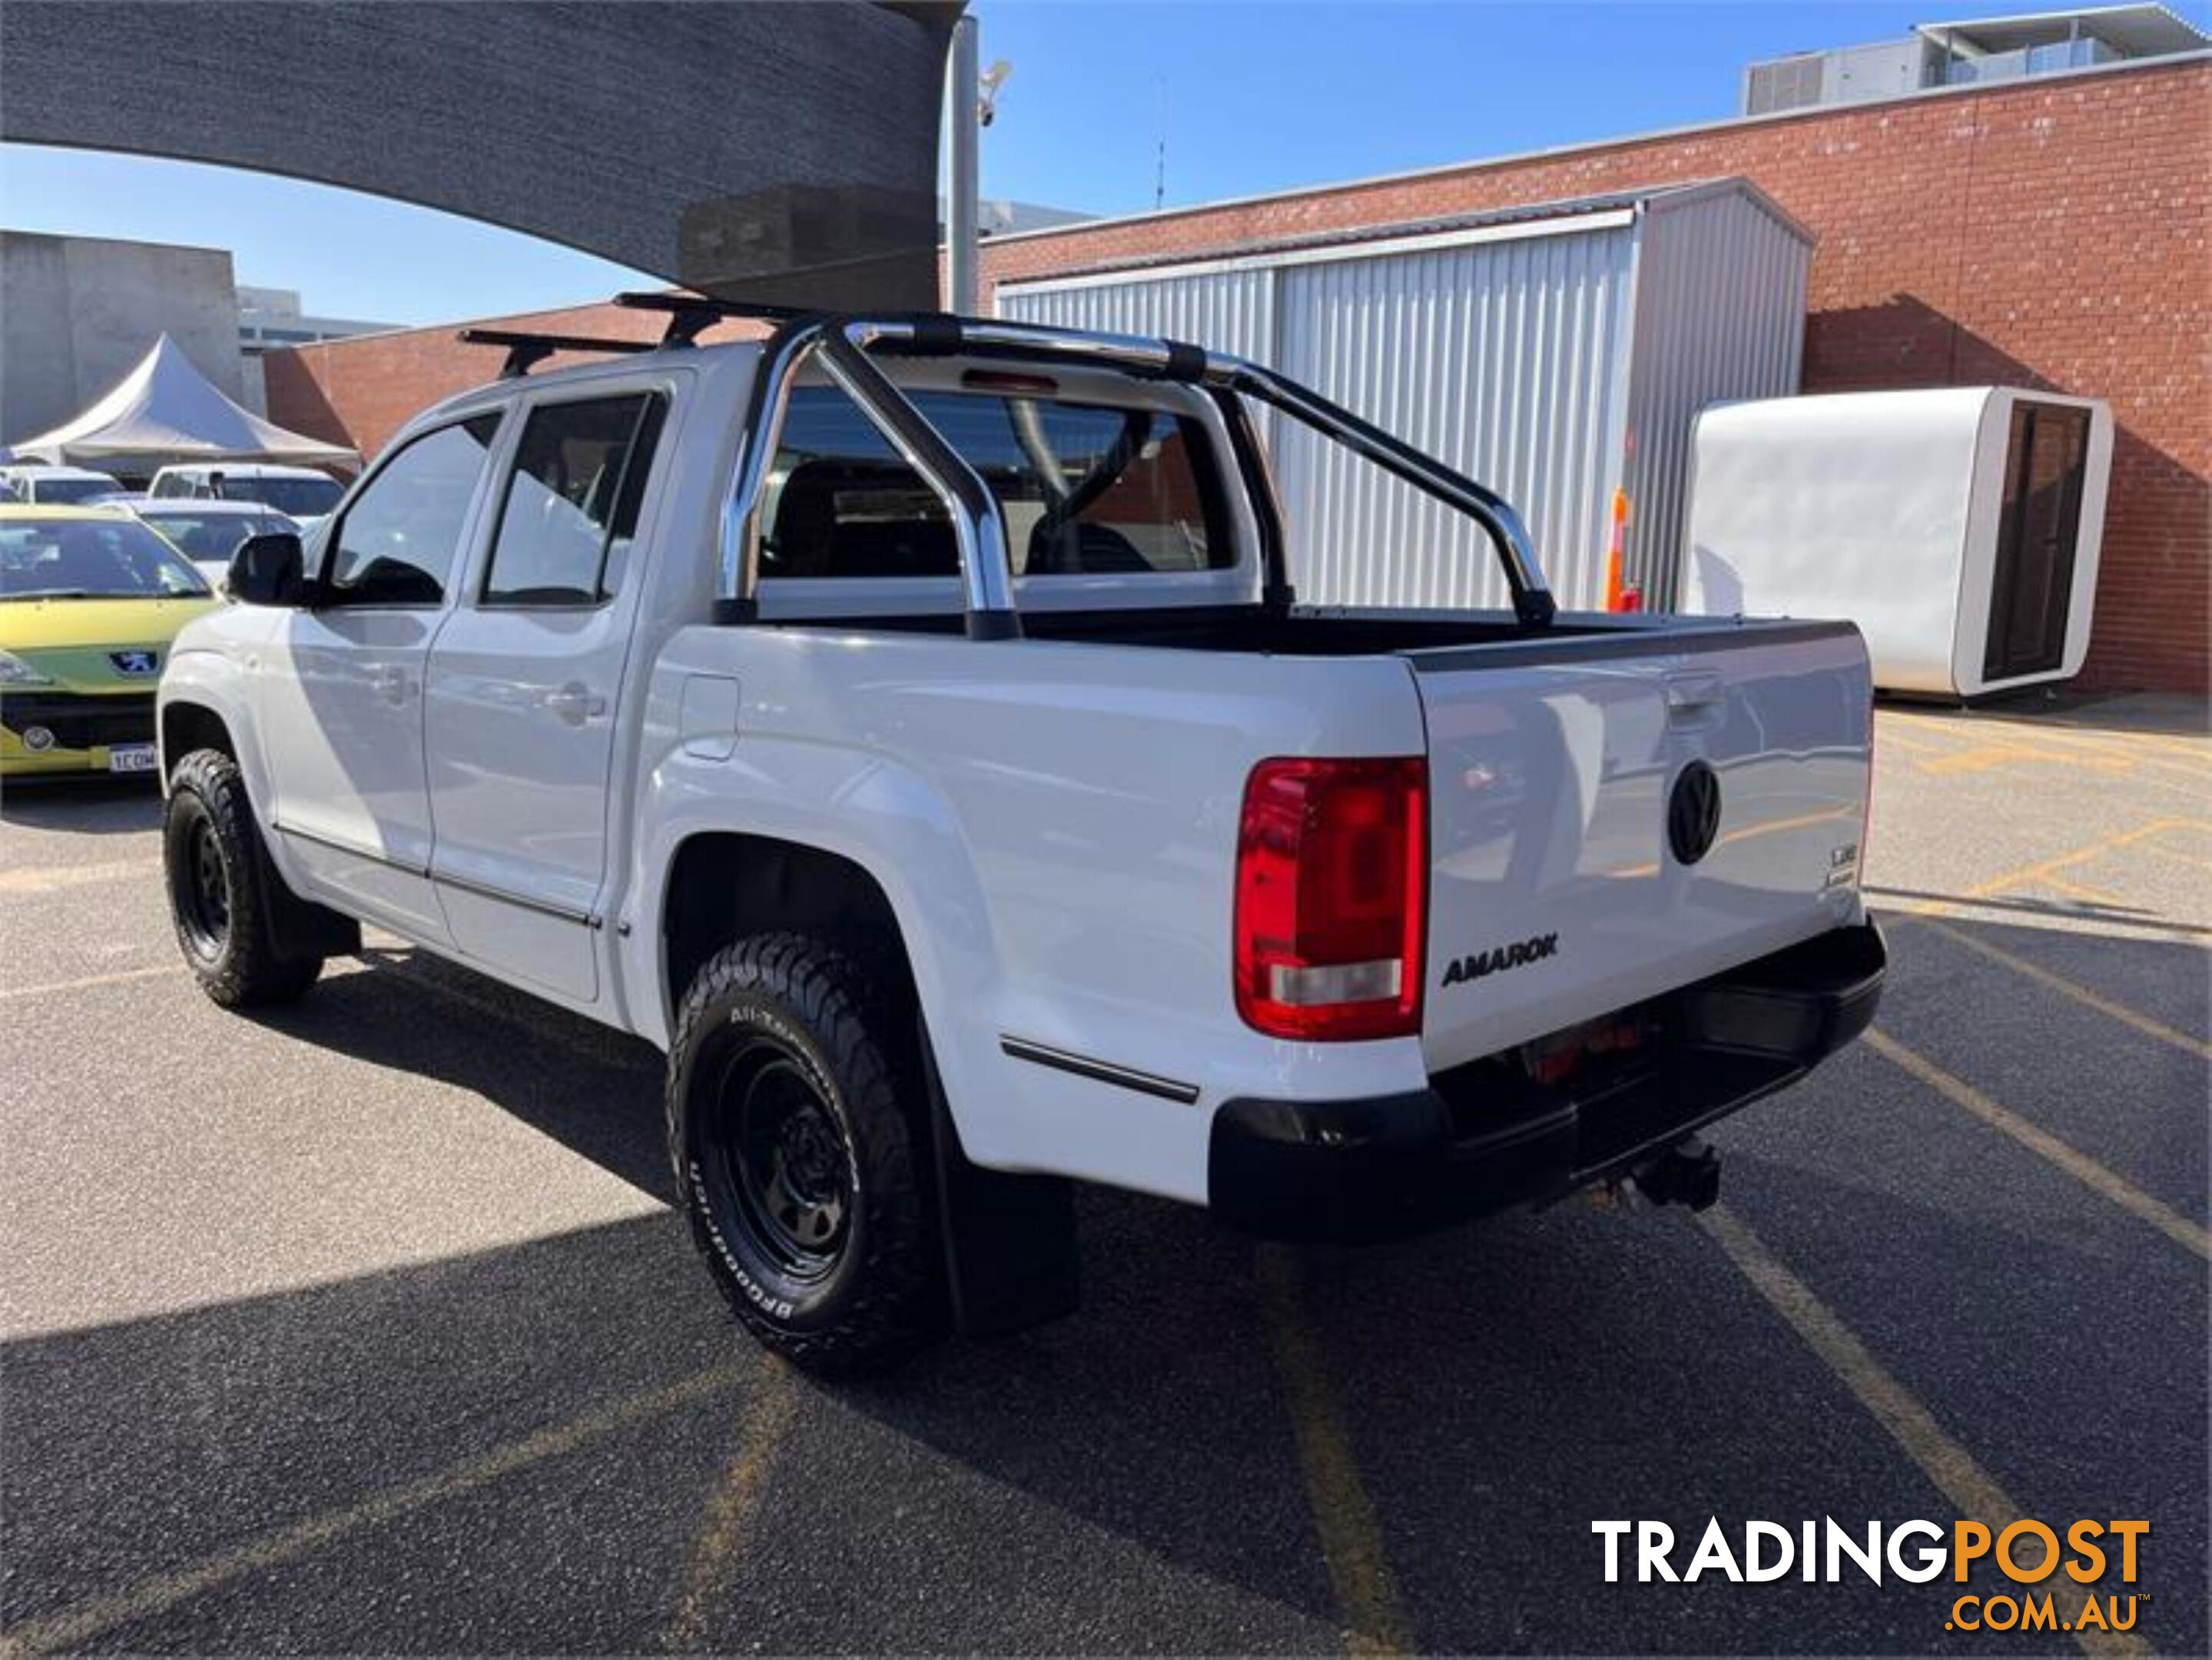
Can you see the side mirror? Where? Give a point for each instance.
(269, 569)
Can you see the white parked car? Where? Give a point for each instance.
(301, 493)
(907, 726)
(209, 532)
(37, 484)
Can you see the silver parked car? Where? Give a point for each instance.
(208, 533)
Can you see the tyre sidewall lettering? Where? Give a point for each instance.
(755, 1009)
(835, 1019)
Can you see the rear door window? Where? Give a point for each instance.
(1087, 489)
(572, 502)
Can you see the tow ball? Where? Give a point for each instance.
(1688, 1173)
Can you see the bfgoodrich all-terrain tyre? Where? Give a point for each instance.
(796, 1122)
(220, 894)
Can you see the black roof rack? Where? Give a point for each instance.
(525, 350)
(690, 315)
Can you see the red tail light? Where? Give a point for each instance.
(1332, 891)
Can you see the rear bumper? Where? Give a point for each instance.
(1485, 1136)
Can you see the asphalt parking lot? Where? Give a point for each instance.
(366, 1327)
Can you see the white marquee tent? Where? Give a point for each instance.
(166, 411)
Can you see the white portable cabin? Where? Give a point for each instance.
(1959, 527)
(1557, 352)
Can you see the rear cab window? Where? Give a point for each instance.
(1088, 488)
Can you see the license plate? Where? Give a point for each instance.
(131, 757)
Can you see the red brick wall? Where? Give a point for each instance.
(2055, 233)
(360, 391)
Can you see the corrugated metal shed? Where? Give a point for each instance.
(1229, 310)
(1556, 353)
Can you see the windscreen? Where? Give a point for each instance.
(92, 559)
(311, 497)
(64, 490)
(214, 536)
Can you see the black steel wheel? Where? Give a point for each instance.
(203, 888)
(797, 1128)
(221, 888)
(782, 1172)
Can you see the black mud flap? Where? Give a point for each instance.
(1010, 1250)
(298, 928)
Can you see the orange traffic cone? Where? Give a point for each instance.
(1620, 594)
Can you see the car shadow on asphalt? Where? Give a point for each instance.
(2062, 910)
(89, 806)
(1130, 1477)
(167, 1444)
(595, 1091)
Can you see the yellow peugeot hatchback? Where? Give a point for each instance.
(89, 600)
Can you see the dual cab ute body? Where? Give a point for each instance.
(950, 670)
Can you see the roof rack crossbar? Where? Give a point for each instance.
(524, 350)
(690, 315)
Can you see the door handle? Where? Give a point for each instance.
(577, 703)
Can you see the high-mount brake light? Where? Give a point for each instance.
(1332, 892)
(1040, 385)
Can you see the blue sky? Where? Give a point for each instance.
(1249, 97)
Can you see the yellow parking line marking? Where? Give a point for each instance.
(1988, 757)
(2077, 732)
(731, 1505)
(1344, 1516)
(2080, 993)
(2135, 754)
(50, 878)
(2078, 1164)
(1884, 736)
(2043, 870)
(2095, 896)
(2105, 743)
(89, 981)
(77, 1626)
(1954, 1470)
(2194, 745)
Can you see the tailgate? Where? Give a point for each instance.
(1616, 814)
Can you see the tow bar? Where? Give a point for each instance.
(1688, 1173)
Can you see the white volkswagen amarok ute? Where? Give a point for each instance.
(909, 726)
